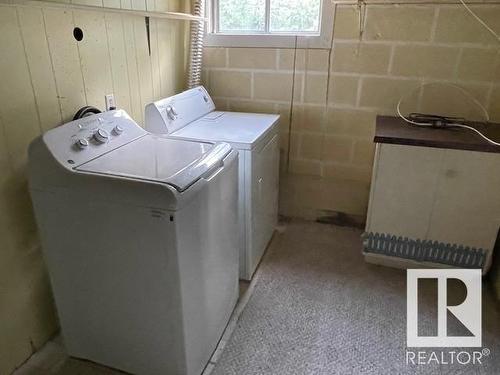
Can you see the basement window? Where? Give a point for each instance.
(269, 23)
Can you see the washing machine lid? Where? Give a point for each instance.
(160, 159)
(242, 130)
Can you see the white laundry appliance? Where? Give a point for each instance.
(139, 235)
(191, 115)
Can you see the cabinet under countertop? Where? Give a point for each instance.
(435, 196)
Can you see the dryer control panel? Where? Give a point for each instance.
(167, 115)
(82, 140)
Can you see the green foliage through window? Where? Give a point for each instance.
(285, 16)
(242, 15)
(295, 15)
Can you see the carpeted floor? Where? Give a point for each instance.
(318, 308)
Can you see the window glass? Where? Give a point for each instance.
(242, 15)
(295, 15)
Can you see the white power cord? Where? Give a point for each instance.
(467, 94)
(480, 20)
(453, 125)
(477, 132)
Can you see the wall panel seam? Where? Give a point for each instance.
(37, 105)
(126, 62)
(109, 53)
(158, 54)
(137, 67)
(52, 66)
(81, 63)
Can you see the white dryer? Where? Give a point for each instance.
(191, 115)
(139, 236)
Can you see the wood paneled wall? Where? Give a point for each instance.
(46, 76)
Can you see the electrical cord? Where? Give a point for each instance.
(465, 92)
(451, 122)
(86, 111)
(480, 21)
(477, 132)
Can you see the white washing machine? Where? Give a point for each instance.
(191, 115)
(139, 236)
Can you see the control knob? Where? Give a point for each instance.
(171, 113)
(101, 136)
(118, 130)
(82, 143)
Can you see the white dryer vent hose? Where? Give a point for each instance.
(196, 46)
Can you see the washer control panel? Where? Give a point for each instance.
(82, 140)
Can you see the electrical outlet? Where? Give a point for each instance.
(110, 102)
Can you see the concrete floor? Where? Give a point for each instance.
(321, 253)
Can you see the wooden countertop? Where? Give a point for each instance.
(395, 130)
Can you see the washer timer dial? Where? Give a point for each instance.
(82, 143)
(101, 136)
(118, 129)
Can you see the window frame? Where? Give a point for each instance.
(267, 39)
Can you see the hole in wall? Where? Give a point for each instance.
(78, 33)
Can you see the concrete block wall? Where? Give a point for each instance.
(328, 98)
(46, 77)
